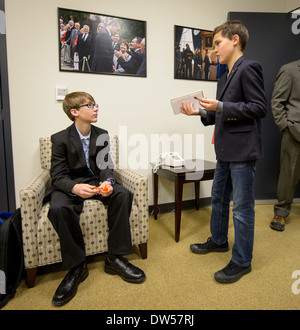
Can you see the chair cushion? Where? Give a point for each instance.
(94, 226)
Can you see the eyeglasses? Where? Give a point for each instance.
(89, 105)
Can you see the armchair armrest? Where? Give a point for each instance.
(31, 202)
(136, 183)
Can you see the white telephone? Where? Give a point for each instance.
(170, 159)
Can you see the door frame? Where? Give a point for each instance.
(7, 183)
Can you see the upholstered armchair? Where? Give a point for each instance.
(40, 240)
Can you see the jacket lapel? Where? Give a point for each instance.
(226, 82)
(75, 141)
(93, 147)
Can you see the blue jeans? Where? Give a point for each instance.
(236, 178)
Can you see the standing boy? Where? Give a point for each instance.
(236, 114)
(78, 165)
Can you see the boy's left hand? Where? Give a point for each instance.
(208, 104)
(104, 189)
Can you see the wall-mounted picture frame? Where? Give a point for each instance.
(194, 57)
(101, 44)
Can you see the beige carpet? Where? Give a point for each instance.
(178, 279)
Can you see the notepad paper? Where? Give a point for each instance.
(176, 103)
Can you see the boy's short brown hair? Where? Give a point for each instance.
(230, 28)
(74, 100)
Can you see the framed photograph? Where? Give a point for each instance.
(101, 44)
(194, 56)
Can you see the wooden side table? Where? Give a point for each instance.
(181, 175)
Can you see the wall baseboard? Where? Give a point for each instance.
(203, 202)
(186, 205)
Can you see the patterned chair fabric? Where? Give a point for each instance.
(40, 240)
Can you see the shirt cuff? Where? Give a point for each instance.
(111, 180)
(202, 113)
(219, 106)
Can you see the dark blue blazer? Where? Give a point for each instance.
(238, 127)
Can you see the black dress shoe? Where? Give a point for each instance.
(68, 287)
(117, 265)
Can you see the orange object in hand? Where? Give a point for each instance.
(105, 187)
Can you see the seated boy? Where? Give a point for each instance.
(78, 165)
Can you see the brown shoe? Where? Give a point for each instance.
(278, 223)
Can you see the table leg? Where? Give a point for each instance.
(155, 195)
(197, 193)
(178, 204)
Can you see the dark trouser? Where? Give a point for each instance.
(64, 215)
(236, 178)
(289, 174)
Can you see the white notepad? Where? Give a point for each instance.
(176, 103)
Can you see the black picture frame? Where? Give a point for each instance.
(93, 53)
(197, 61)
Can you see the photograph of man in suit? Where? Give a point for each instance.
(83, 48)
(104, 51)
(188, 56)
(103, 38)
(133, 65)
(286, 112)
(236, 113)
(74, 36)
(142, 69)
(75, 172)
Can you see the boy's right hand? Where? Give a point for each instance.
(188, 109)
(83, 190)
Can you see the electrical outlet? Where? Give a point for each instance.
(61, 92)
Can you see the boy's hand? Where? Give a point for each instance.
(105, 189)
(208, 104)
(187, 109)
(83, 190)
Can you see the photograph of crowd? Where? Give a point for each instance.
(96, 43)
(194, 55)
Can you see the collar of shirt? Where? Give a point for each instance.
(81, 136)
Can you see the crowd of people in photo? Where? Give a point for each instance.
(196, 65)
(103, 51)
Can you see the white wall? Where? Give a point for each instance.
(141, 104)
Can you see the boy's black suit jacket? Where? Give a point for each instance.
(238, 126)
(68, 164)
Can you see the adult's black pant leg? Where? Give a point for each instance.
(64, 215)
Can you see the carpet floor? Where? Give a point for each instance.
(177, 279)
